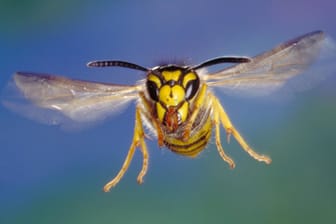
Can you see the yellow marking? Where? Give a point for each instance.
(196, 107)
(193, 145)
(171, 96)
(152, 119)
(138, 140)
(160, 110)
(171, 75)
(183, 111)
(187, 78)
(154, 79)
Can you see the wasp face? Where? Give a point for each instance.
(172, 88)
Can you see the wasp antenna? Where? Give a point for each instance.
(124, 64)
(220, 60)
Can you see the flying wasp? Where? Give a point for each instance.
(174, 101)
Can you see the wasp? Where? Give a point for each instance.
(175, 102)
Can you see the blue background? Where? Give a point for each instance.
(51, 176)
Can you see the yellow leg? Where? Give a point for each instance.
(153, 121)
(196, 107)
(143, 171)
(230, 129)
(220, 149)
(138, 140)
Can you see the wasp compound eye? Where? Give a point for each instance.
(153, 90)
(191, 88)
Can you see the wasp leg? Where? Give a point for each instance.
(197, 105)
(220, 149)
(153, 121)
(138, 140)
(230, 129)
(144, 168)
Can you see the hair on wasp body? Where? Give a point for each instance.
(174, 101)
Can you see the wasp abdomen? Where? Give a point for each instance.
(194, 144)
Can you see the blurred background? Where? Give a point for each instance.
(51, 176)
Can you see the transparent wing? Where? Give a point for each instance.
(58, 100)
(270, 70)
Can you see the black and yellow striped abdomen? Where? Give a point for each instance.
(199, 137)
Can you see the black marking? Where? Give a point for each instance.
(157, 71)
(175, 147)
(220, 60)
(152, 90)
(171, 83)
(113, 63)
(190, 152)
(192, 88)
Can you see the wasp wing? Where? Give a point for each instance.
(270, 70)
(58, 100)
